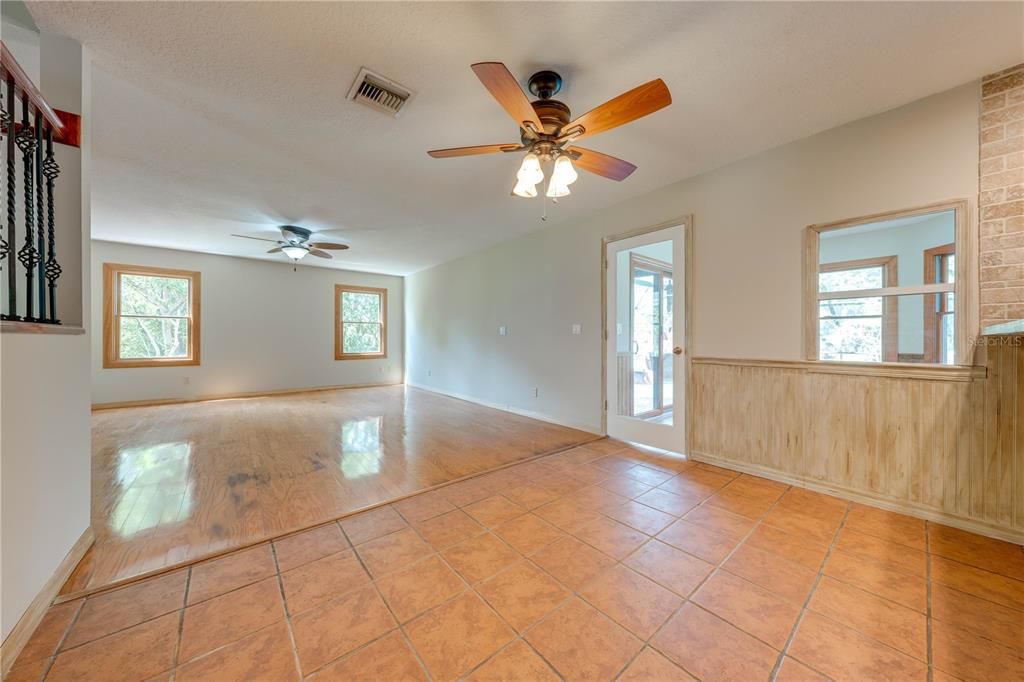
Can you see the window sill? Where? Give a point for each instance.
(139, 364)
(16, 327)
(894, 370)
(1015, 327)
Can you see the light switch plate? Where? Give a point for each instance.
(577, 329)
(503, 330)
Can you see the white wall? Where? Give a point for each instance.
(749, 219)
(44, 379)
(264, 327)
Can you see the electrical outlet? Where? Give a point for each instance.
(186, 381)
(430, 372)
(577, 329)
(503, 330)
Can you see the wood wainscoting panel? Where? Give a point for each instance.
(943, 440)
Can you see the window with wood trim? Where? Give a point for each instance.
(858, 310)
(360, 322)
(863, 329)
(150, 316)
(939, 320)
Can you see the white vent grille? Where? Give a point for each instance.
(379, 92)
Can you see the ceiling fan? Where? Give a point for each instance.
(548, 134)
(295, 243)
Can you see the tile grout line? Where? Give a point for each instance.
(577, 595)
(522, 557)
(187, 569)
(472, 587)
(814, 587)
(287, 612)
(717, 567)
(928, 586)
(399, 627)
(56, 651)
(181, 625)
(519, 636)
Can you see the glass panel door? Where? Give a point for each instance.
(644, 353)
(667, 344)
(646, 342)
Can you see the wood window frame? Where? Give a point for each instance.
(112, 315)
(965, 287)
(890, 306)
(932, 328)
(339, 329)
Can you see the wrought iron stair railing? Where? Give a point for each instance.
(28, 129)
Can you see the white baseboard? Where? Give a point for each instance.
(539, 416)
(233, 396)
(870, 499)
(22, 631)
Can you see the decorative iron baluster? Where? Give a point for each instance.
(40, 225)
(51, 169)
(27, 254)
(6, 121)
(12, 284)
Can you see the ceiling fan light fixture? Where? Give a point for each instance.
(564, 174)
(294, 252)
(557, 191)
(525, 190)
(530, 172)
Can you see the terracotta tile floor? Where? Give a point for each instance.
(600, 562)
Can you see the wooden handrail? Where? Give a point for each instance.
(14, 73)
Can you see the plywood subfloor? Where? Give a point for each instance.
(175, 483)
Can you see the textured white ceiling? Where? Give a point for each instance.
(213, 118)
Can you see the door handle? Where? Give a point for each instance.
(677, 350)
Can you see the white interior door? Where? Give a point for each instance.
(645, 354)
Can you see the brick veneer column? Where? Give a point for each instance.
(1001, 198)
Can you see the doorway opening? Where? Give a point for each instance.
(645, 352)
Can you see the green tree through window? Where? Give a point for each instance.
(361, 328)
(150, 316)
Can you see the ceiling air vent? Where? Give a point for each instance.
(379, 92)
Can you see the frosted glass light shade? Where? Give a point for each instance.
(557, 191)
(564, 174)
(530, 171)
(525, 190)
(294, 252)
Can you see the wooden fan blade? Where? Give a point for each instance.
(473, 151)
(328, 245)
(627, 107)
(276, 249)
(602, 164)
(262, 239)
(319, 254)
(503, 86)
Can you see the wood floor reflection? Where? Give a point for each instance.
(175, 483)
